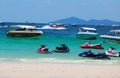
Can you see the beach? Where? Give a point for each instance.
(19, 59)
(58, 70)
(40, 39)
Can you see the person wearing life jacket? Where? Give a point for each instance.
(87, 44)
(42, 49)
(63, 47)
(111, 52)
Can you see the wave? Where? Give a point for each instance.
(55, 60)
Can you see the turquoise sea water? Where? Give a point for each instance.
(24, 49)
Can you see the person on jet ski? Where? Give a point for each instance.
(42, 49)
(111, 51)
(87, 44)
(63, 47)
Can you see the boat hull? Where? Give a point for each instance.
(87, 36)
(23, 34)
(110, 38)
(60, 51)
(93, 47)
(89, 54)
(117, 54)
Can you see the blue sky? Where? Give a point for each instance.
(51, 10)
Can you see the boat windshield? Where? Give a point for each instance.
(114, 34)
(22, 28)
(88, 30)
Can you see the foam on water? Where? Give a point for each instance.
(59, 61)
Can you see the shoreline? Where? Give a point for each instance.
(59, 61)
(55, 70)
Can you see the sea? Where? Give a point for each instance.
(23, 49)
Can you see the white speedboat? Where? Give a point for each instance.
(47, 27)
(113, 35)
(86, 33)
(57, 27)
(23, 31)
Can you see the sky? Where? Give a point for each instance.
(44, 11)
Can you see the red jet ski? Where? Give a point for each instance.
(43, 50)
(96, 46)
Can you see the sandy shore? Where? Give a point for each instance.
(52, 70)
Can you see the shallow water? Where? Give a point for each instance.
(24, 49)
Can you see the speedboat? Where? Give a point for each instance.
(89, 54)
(92, 46)
(56, 26)
(113, 35)
(23, 31)
(86, 33)
(47, 27)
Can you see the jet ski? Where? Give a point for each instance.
(90, 54)
(43, 51)
(96, 46)
(113, 54)
(61, 50)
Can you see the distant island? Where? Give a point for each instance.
(70, 20)
(75, 20)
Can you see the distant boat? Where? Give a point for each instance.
(113, 35)
(23, 31)
(56, 26)
(86, 33)
(74, 24)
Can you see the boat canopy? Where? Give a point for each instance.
(24, 26)
(116, 31)
(87, 28)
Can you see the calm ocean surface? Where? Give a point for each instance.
(24, 49)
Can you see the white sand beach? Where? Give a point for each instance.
(53, 70)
